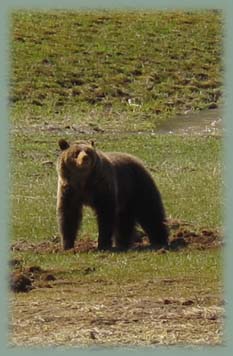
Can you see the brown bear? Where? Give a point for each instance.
(119, 189)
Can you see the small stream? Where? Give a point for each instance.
(205, 122)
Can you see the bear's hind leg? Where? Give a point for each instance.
(159, 236)
(156, 229)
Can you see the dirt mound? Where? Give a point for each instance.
(182, 235)
(24, 279)
(20, 282)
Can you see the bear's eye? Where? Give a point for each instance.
(76, 153)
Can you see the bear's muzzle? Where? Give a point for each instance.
(82, 160)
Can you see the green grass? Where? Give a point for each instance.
(188, 273)
(119, 68)
(127, 266)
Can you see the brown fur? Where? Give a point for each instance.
(117, 186)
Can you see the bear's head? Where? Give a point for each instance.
(79, 157)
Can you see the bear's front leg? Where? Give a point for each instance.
(69, 211)
(106, 223)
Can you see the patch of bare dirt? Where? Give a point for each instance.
(184, 235)
(87, 129)
(20, 282)
(25, 279)
(53, 246)
(203, 240)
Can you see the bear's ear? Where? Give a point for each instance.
(63, 144)
(93, 143)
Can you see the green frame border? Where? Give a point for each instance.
(5, 8)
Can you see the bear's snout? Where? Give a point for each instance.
(82, 159)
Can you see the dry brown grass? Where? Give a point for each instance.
(62, 316)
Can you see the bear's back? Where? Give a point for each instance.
(134, 181)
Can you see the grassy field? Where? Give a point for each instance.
(128, 68)
(114, 77)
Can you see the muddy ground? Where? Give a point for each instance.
(48, 310)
